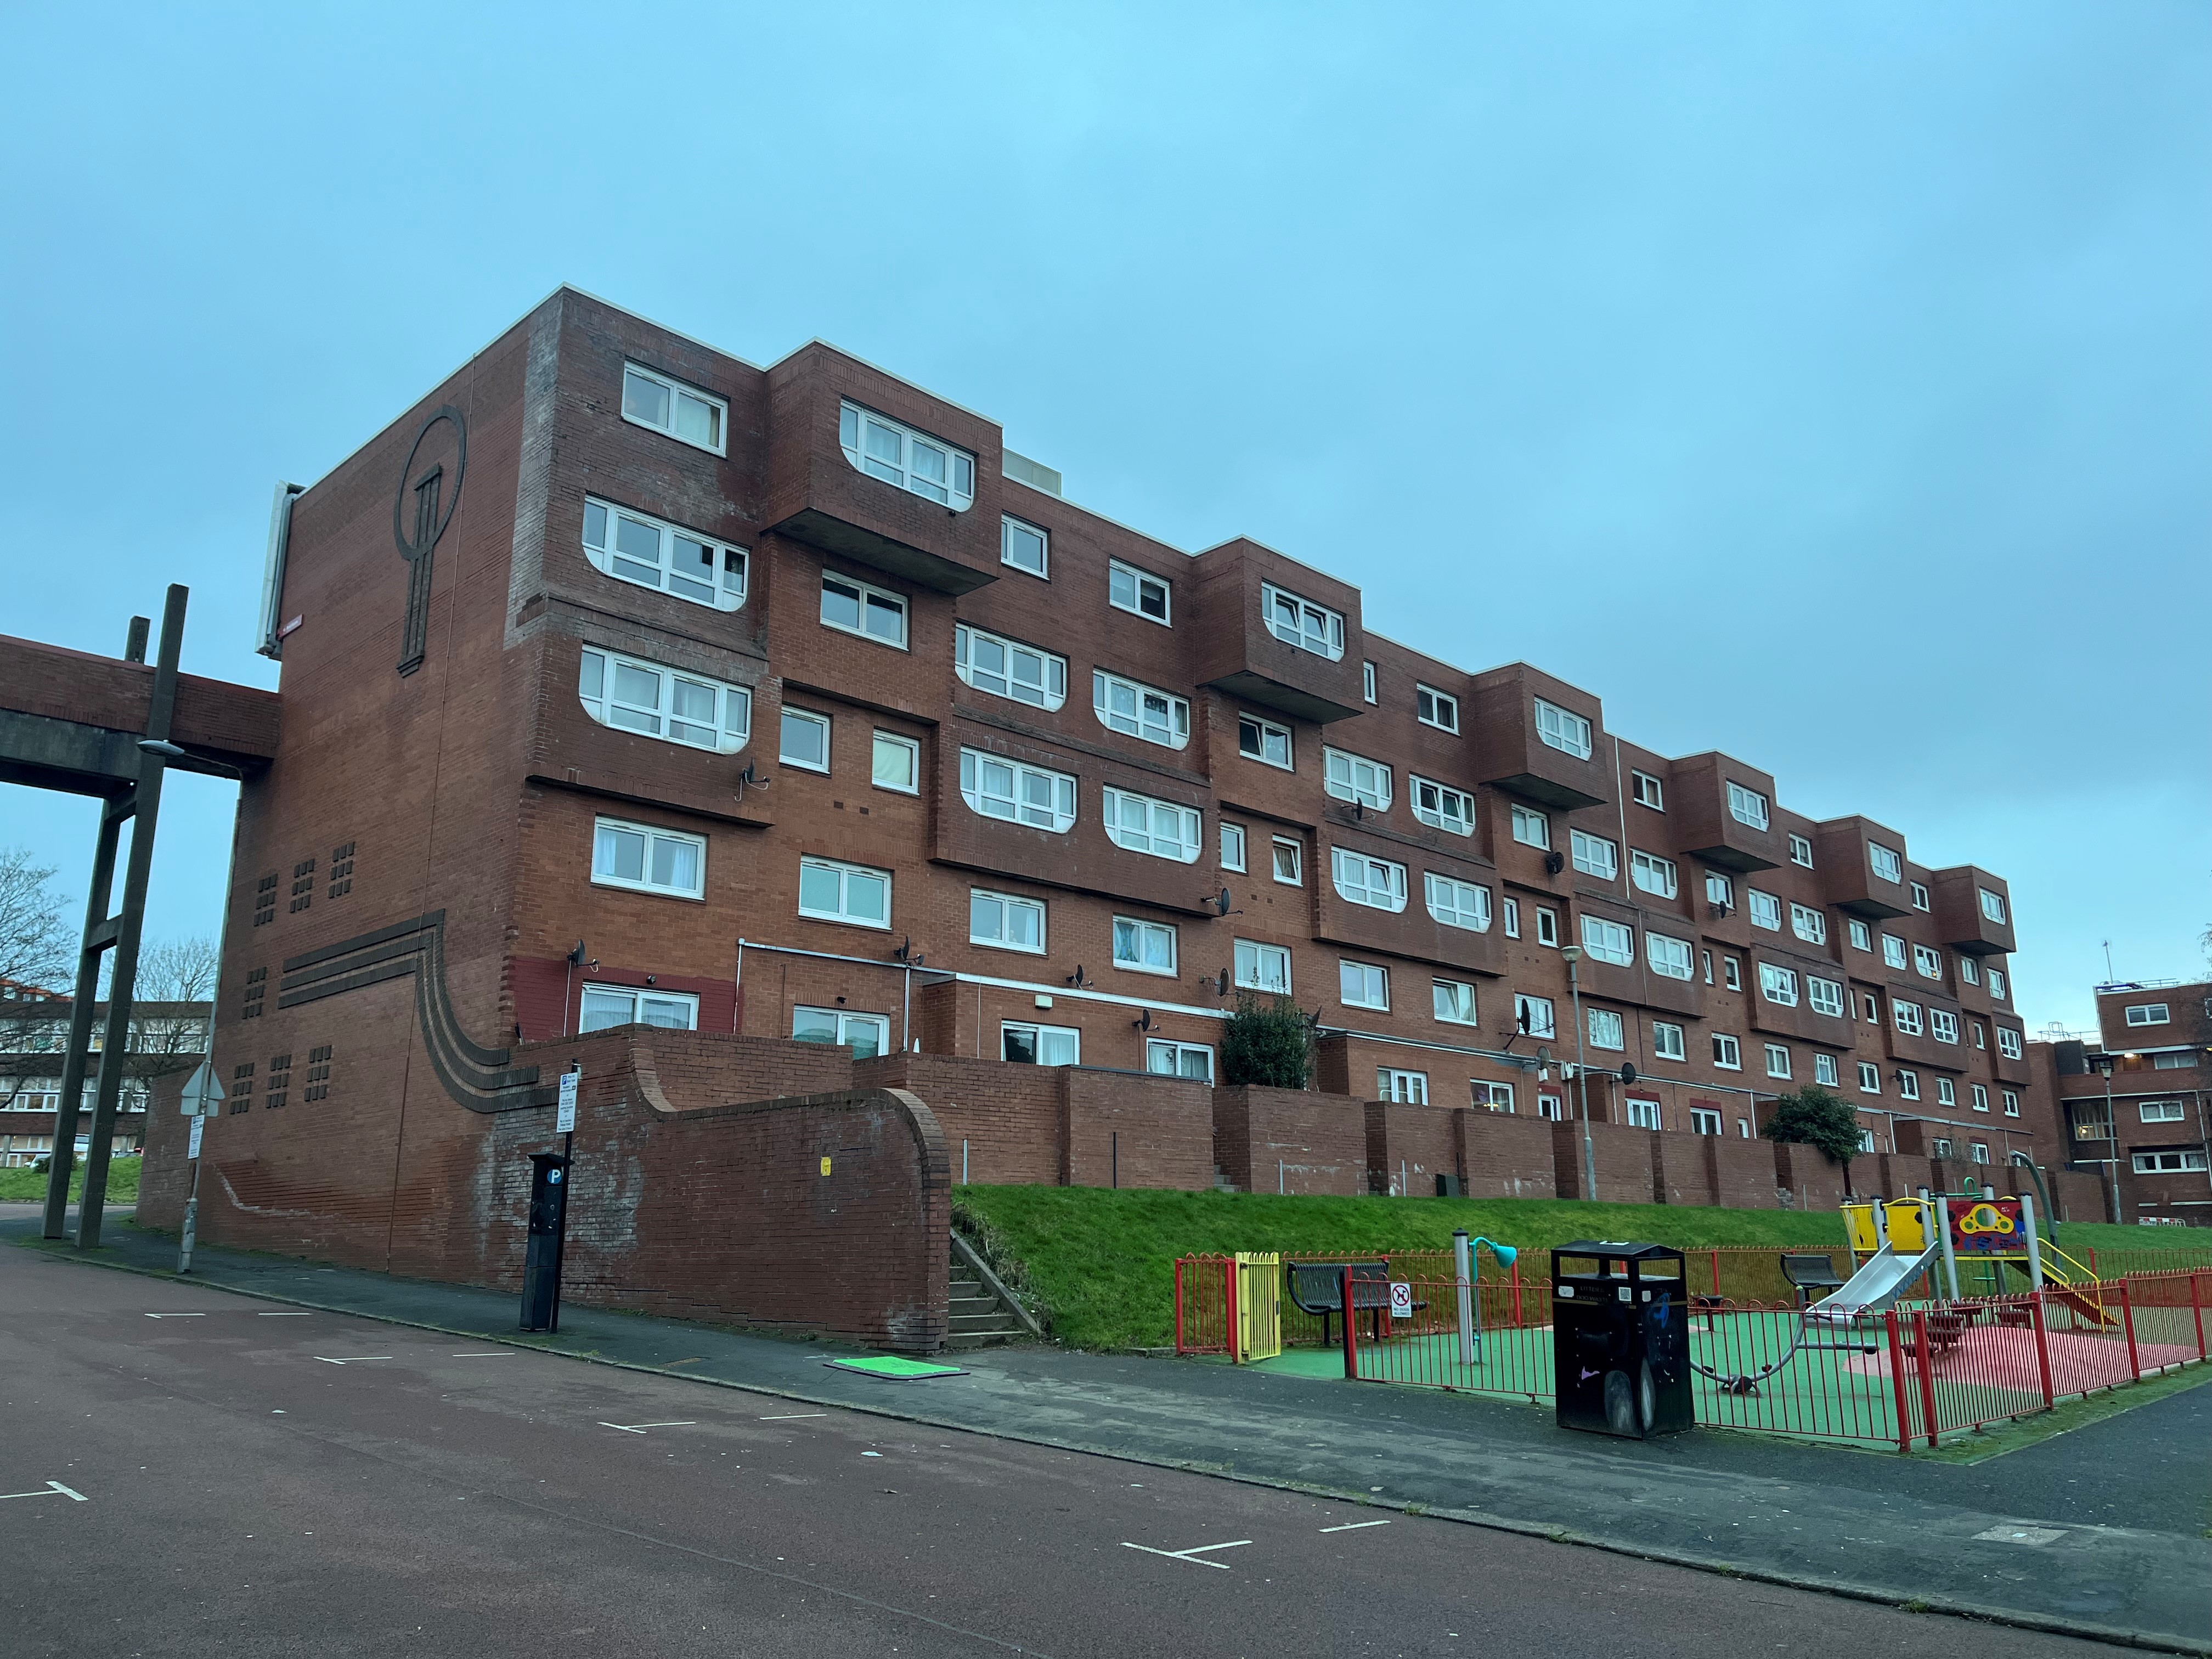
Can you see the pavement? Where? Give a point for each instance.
(2100, 1532)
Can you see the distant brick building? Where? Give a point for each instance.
(624, 681)
(2134, 1110)
(167, 1041)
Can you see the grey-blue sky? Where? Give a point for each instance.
(1826, 385)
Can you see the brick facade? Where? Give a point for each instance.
(1268, 1140)
(2131, 1107)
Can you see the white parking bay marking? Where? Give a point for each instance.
(177, 1315)
(352, 1360)
(640, 1428)
(1193, 1554)
(52, 1489)
(485, 1353)
(302, 1314)
(1354, 1526)
(786, 1416)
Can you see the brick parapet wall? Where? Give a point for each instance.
(1409, 1146)
(1508, 1154)
(1624, 1156)
(1806, 1175)
(1739, 1173)
(1297, 1140)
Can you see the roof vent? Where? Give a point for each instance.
(1021, 469)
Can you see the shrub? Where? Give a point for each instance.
(1267, 1043)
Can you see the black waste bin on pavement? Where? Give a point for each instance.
(541, 1261)
(1620, 1341)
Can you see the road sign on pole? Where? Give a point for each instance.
(199, 1125)
(202, 1092)
(564, 1121)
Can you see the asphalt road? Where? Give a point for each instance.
(234, 1478)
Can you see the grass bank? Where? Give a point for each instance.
(29, 1186)
(1101, 1263)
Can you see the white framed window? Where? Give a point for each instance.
(1940, 1147)
(1605, 1029)
(1885, 862)
(2171, 1062)
(1301, 623)
(1874, 1010)
(1667, 1041)
(1809, 923)
(633, 547)
(1137, 592)
(1533, 1015)
(1720, 889)
(1731, 974)
(1007, 668)
(645, 859)
(608, 1005)
(1980, 1101)
(1435, 707)
(1262, 967)
(1363, 985)
(2147, 1013)
(1919, 897)
(1286, 861)
(1778, 985)
(895, 764)
(1981, 1033)
(1704, 1121)
(683, 412)
(1862, 937)
(1647, 791)
(1532, 828)
(1025, 1044)
(1378, 883)
(1993, 905)
(1778, 1060)
(2007, 1043)
(1927, 963)
(1194, 1060)
(1456, 903)
(1766, 909)
(1643, 1113)
(1454, 1001)
(1942, 1025)
(1893, 950)
(1705, 962)
(1906, 1016)
(855, 893)
(1825, 996)
(1005, 922)
(1969, 970)
(1547, 925)
(2011, 1102)
(2167, 1162)
(1232, 847)
(1824, 1069)
(1670, 956)
(1908, 1088)
(865, 1034)
(1000, 788)
(1367, 681)
(1410, 1088)
(1512, 909)
(853, 606)
(1144, 947)
(1551, 1109)
(2162, 1111)
(1997, 984)
(805, 740)
(1025, 546)
(1800, 851)
(1651, 873)
(1865, 1140)
(1160, 828)
(1443, 806)
(660, 702)
(1595, 855)
(911, 460)
(1945, 1094)
(1977, 1152)
(1746, 806)
(1609, 941)
(1727, 1053)
(1563, 729)
(1491, 1097)
(1264, 740)
(1354, 777)
(1136, 710)
(1870, 1078)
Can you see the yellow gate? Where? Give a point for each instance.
(1258, 1331)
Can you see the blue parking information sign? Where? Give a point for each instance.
(564, 1121)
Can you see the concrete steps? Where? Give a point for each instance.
(979, 1314)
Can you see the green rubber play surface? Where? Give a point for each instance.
(892, 1368)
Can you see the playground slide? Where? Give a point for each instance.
(1876, 1287)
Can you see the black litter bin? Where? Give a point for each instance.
(1620, 1342)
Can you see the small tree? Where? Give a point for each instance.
(1266, 1043)
(1814, 1117)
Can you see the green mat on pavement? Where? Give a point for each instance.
(890, 1366)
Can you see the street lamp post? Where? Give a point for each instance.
(2103, 1064)
(1573, 955)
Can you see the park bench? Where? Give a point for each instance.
(1808, 1272)
(1317, 1288)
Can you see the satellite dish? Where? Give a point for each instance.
(1543, 1054)
(1628, 1074)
